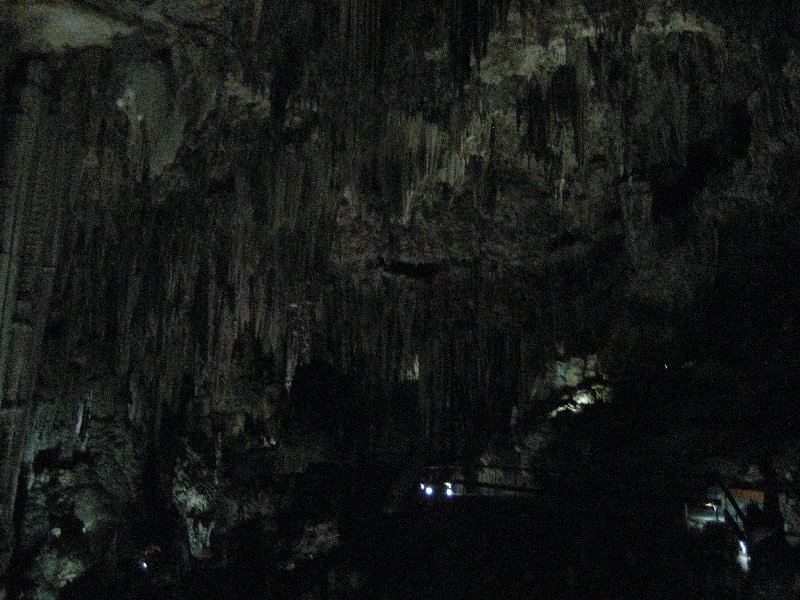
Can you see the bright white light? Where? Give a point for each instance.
(422, 486)
(743, 558)
(429, 491)
(144, 565)
(449, 485)
(449, 493)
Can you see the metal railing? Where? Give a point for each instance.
(643, 484)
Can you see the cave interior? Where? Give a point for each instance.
(393, 299)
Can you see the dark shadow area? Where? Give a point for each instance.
(322, 399)
(675, 186)
(422, 271)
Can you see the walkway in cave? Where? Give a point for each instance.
(571, 547)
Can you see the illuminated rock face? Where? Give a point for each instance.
(208, 205)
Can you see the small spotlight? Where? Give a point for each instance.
(449, 492)
(743, 546)
(144, 566)
(429, 491)
(422, 486)
(448, 485)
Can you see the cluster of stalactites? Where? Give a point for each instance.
(469, 24)
(468, 371)
(366, 28)
(362, 32)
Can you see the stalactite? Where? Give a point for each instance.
(17, 196)
(251, 250)
(366, 237)
(258, 7)
(535, 137)
(363, 28)
(401, 331)
(412, 154)
(298, 351)
(582, 90)
(486, 193)
(469, 24)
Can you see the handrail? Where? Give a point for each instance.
(730, 520)
(572, 491)
(623, 473)
(733, 502)
(548, 470)
(589, 485)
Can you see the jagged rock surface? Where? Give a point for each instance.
(203, 202)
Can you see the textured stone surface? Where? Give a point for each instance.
(220, 216)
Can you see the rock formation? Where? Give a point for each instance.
(269, 233)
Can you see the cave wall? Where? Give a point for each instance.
(201, 198)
